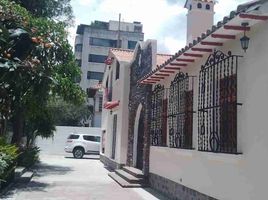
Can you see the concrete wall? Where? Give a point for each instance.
(225, 176)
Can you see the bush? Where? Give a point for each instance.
(8, 157)
(28, 157)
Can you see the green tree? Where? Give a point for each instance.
(36, 63)
(60, 10)
(66, 114)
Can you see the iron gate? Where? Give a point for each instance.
(180, 111)
(217, 104)
(157, 130)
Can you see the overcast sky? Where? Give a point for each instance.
(164, 20)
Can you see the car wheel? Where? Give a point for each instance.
(78, 152)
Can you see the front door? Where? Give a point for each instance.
(140, 144)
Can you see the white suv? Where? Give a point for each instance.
(80, 144)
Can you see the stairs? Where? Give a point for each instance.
(129, 177)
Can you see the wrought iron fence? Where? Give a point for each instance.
(217, 104)
(180, 111)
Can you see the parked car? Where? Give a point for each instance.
(81, 144)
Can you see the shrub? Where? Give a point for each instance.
(8, 157)
(28, 157)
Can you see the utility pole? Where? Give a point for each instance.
(118, 40)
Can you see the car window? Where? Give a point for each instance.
(73, 137)
(91, 138)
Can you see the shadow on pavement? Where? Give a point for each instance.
(40, 169)
(32, 186)
(45, 169)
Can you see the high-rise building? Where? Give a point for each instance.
(92, 44)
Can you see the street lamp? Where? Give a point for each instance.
(244, 40)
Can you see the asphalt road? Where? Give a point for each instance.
(59, 176)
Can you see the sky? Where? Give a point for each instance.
(163, 20)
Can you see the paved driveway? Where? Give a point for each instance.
(60, 177)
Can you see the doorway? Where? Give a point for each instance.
(138, 146)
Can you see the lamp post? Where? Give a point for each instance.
(244, 40)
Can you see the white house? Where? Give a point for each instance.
(215, 143)
(203, 110)
(115, 107)
(116, 84)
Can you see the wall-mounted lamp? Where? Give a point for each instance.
(244, 40)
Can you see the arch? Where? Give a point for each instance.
(136, 134)
(199, 5)
(208, 7)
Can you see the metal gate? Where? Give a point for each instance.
(217, 104)
(180, 111)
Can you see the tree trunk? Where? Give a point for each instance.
(17, 123)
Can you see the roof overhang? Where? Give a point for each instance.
(206, 44)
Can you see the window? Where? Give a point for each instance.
(132, 44)
(138, 29)
(100, 104)
(158, 117)
(114, 136)
(78, 62)
(96, 58)
(208, 7)
(199, 5)
(102, 42)
(91, 138)
(217, 104)
(180, 112)
(117, 70)
(95, 75)
(73, 137)
(78, 47)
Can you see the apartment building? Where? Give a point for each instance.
(92, 45)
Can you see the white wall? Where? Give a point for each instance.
(120, 93)
(223, 176)
(194, 27)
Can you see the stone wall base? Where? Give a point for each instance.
(110, 164)
(175, 191)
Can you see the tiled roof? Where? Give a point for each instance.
(123, 54)
(243, 12)
(161, 58)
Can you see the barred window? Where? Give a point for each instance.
(217, 104)
(158, 117)
(180, 111)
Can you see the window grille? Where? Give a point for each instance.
(217, 104)
(180, 111)
(157, 131)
